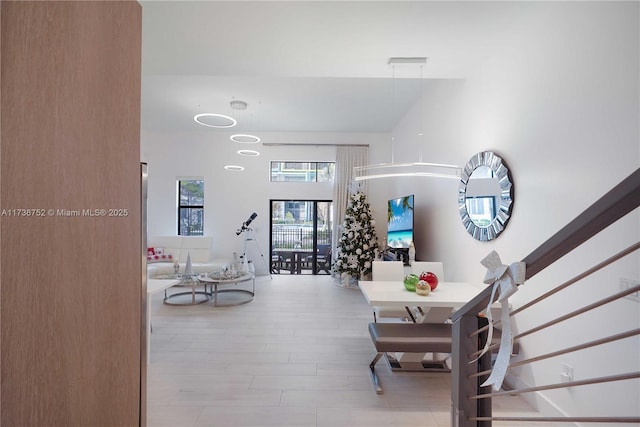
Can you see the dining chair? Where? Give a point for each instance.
(392, 272)
(286, 261)
(323, 259)
(276, 263)
(387, 270)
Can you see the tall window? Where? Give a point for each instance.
(302, 171)
(190, 207)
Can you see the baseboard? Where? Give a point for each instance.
(543, 405)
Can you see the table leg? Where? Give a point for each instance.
(193, 293)
(214, 291)
(435, 315)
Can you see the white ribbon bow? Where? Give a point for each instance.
(505, 279)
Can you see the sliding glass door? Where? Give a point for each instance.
(301, 236)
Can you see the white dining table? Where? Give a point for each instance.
(437, 307)
(394, 294)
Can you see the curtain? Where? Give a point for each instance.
(347, 157)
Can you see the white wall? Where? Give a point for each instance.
(559, 101)
(231, 197)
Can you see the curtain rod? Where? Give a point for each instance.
(274, 144)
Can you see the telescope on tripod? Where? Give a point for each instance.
(249, 238)
(245, 225)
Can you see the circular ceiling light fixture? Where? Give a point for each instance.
(245, 138)
(234, 168)
(248, 152)
(215, 120)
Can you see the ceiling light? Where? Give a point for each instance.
(248, 152)
(238, 105)
(387, 170)
(245, 138)
(234, 168)
(217, 120)
(408, 60)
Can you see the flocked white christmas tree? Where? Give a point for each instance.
(358, 244)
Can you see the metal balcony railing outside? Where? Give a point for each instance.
(297, 238)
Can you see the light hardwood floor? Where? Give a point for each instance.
(297, 355)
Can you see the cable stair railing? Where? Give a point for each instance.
(472, 402)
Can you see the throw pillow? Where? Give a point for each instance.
(159, 258)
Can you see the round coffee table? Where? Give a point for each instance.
(217, 280)
(190, 281)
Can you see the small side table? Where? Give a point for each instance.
(216, 281)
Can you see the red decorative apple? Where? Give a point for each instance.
(430, 278)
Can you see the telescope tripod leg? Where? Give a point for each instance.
(244, 254)
(264, 262)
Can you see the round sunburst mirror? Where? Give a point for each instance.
(485, 196)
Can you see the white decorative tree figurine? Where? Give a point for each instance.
(358, 244)
(188, 270)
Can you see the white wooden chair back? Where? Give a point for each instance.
(392, 271)
(434, 314)
(387, 270)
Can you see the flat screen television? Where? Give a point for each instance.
(400, 222)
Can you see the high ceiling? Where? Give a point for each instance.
(307, 66)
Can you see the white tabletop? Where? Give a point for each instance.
(394, 294)
(243, 277)
(157, 285)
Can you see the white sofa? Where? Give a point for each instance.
(179, 247)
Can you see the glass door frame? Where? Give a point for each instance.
(278, 264)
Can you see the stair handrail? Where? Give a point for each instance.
(615, 204)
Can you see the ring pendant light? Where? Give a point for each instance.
(244, 152)
(245, 138)
(227, 122)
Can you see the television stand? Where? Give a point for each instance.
(397, 254)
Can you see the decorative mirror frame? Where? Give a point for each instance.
(499, 222)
